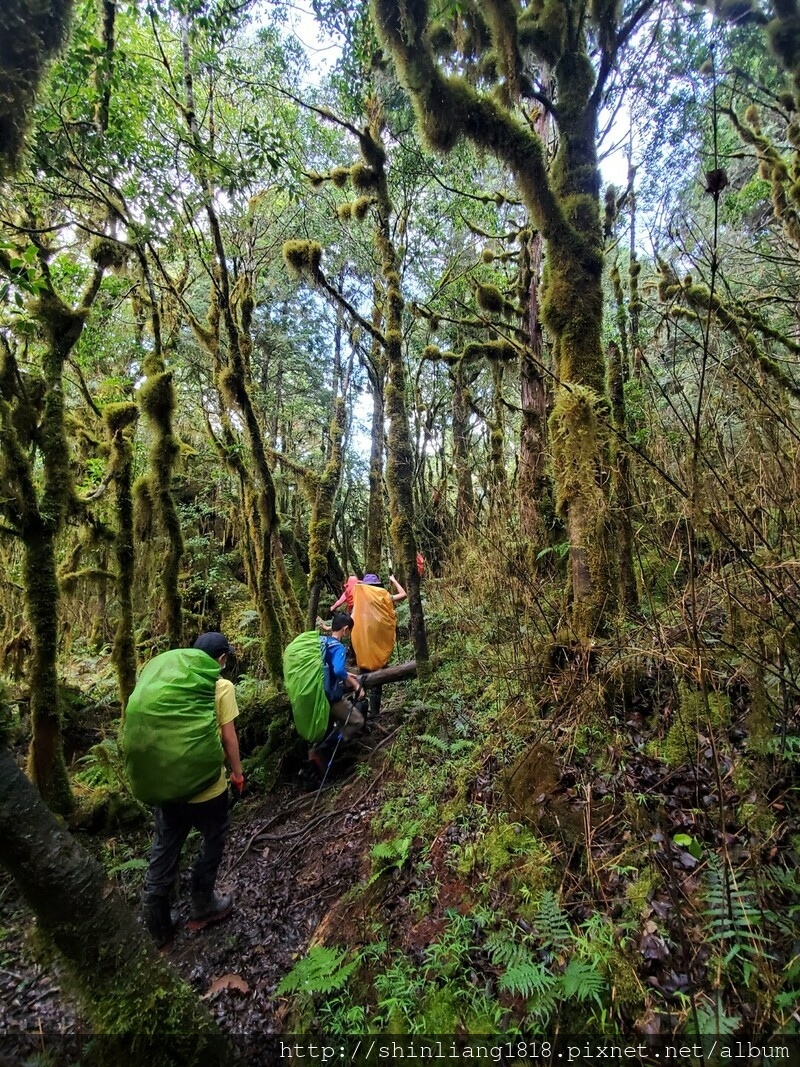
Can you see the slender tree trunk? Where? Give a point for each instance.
(621, 476)
(465, 496)
(499, 504)
(376, 370)
(46, 767)
(118, 417)
(400, 459)
(533, 482)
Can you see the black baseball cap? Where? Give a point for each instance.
(213, 643)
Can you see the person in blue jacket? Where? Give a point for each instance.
(338, 680)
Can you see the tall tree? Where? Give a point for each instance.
(483, 73)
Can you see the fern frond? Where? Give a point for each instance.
(552, 925)
(527, 979)
(435, 742)
(583, 981)
(322, 971)
(505, 952)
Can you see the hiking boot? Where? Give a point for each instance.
(160, 921)
(316, 761)
(209, 908)
(320, 755)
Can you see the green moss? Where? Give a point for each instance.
(157, 397)
(362, 205)
(441, 39)
(303, 258)
(491, 350)
(489, 298)
(339, 176)
(119, 416)
(364, 178)
(143, 508)
(32, 33)
(108, 254)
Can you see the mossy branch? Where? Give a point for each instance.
(448, 108)
(739, 324)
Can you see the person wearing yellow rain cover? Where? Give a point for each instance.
(374, 627)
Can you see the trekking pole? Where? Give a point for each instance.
(339, 740)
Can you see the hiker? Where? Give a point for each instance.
(375, 627)
(373, 579)
(347, 595)
(349, 719)
(207, 812)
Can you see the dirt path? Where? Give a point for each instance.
(290, 857)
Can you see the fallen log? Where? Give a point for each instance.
(398, 673)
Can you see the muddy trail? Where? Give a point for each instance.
(291, 857)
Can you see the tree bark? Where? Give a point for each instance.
(146, 1013)
(398, 673)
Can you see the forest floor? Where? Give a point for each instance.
(629, 841)
(291, 857)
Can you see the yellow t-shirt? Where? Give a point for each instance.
(227, 710)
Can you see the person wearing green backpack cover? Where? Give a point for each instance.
(207, 811)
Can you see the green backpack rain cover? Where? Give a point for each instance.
(303, 677)
(170, 738)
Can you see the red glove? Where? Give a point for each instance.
(238, 783)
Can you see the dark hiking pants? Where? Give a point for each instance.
(173, 823)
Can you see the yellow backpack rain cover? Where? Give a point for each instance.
(374, 626)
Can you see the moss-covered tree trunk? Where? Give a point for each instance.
(36, 503)
(321, 527)
(562, 199)
(572, 310)
(118, 417)
(400, 457)
(31, 32)
(152, 491)
(45, 766)
(499, 503)
(146, 1013)
(376, 371)
(465, 495)
(533, 483)
(320, 531)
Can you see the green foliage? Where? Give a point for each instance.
(735, 919)
(323, 970)
(388, 855)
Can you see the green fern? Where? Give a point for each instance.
(527, 979)
(102, 766)
(323, 970)
(388, 854)
(583, 981)
(552, 925)
(505, 951)
(435, 742)
(733, 912)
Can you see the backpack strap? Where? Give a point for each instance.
(327, 660)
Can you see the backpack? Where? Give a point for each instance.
(374, 626)
(170, 737)
(303, 676)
